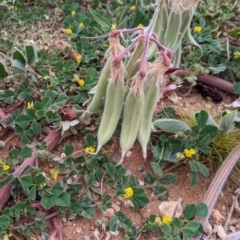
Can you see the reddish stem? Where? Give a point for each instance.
(207, 79)
(51, 140)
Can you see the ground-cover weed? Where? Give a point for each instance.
(61, 80)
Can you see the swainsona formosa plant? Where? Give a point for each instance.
(132, 84)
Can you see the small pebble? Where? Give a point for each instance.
(109, 212)
(141, 183)
(115, 207)
(128, 154)
(2, 144)
(78, 230)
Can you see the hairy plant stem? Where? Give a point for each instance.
(216, 187)
(14, 228)
(207, 79)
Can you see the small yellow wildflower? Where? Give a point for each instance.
(103, 151)
(68, 31)
(158, 221)
(189, 152)
(5, 167)
(73, 13)
(114, 26)
(166, 220)
(120, 2)
(81, 25)
(79, 58)
(132, 8)
(11, 7)
(89, 149)
(236, 54)
(53, 111)
(140, 25)
(30, 105)
(46, 78)
(50, 85)
(180, 156)
(80, 82)
(25, 211)
(128, 193)
(42, 185)
(197, 29)
(6, 236)
(54, 174)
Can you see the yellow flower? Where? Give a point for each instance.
(140, 25)
(120, 2)
(79, 58)
(73, 13)
(25, 211)
(54, 174)
(158, 221)
(46, 78)
(236, 54)
(197, 29)
(11, 7)
(128, 193)
(180, 156)
(89, 150)
(30, 105)
(114, 26)
(80, 82)
(68, 31)
(189, 152)
(5, 167)
(42, 185)
(6, 236)
(166, 220)
(103, 151)
(81, 25)
(132, 8)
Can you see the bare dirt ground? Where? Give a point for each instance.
(83, 229)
